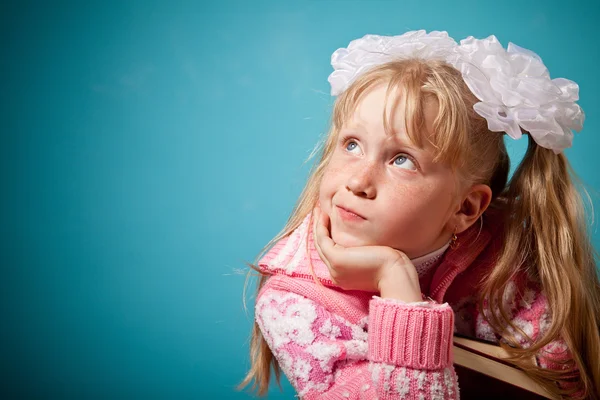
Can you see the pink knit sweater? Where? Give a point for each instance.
(337, 344)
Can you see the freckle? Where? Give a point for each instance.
(401, 190)
(332, 170)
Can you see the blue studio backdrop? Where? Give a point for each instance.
(150, 149)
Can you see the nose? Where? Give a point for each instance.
(361, 182)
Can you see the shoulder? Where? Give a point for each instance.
(529, 310)
(523, 301)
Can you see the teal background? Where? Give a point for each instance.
(150, 148)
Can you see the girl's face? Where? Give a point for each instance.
(383, 190)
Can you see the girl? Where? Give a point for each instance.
(408, 231)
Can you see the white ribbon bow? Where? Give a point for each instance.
(513, 84)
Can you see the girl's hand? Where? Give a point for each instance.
(371, 268)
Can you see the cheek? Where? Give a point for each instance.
(333, 171)
(417, 205)
(332, 179)
(408, 199)
(419, 214)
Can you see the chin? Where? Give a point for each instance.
(347, 240)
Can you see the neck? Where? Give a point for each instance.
(428, 261)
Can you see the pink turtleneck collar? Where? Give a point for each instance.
(294, 254)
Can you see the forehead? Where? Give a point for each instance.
(369, 113)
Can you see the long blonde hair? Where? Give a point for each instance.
(546, 227)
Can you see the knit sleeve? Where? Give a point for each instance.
(399, 352)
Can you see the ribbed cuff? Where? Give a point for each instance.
(409, 336)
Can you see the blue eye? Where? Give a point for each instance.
(404, 162)
(351, 146)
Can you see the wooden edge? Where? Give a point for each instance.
(498, 370)
(482, 347)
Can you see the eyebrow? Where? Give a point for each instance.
(352, 125)
(395, 137)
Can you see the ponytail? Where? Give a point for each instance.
(546, 238)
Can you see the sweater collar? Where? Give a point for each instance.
(294, 255)
(479, 245)
(427, 262)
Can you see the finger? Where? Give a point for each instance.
(330, 250)
(316, 236)
(324, 217)
(317, 231)
(315, 222)
(322, 231)
(323, 240)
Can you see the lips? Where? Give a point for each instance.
(350, 211)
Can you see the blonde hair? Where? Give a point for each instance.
(546, 229)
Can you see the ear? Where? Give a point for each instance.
(474, 203)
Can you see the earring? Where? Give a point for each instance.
(454, 240)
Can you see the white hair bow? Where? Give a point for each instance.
(513, 84)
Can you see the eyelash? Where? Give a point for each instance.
(344, 142)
